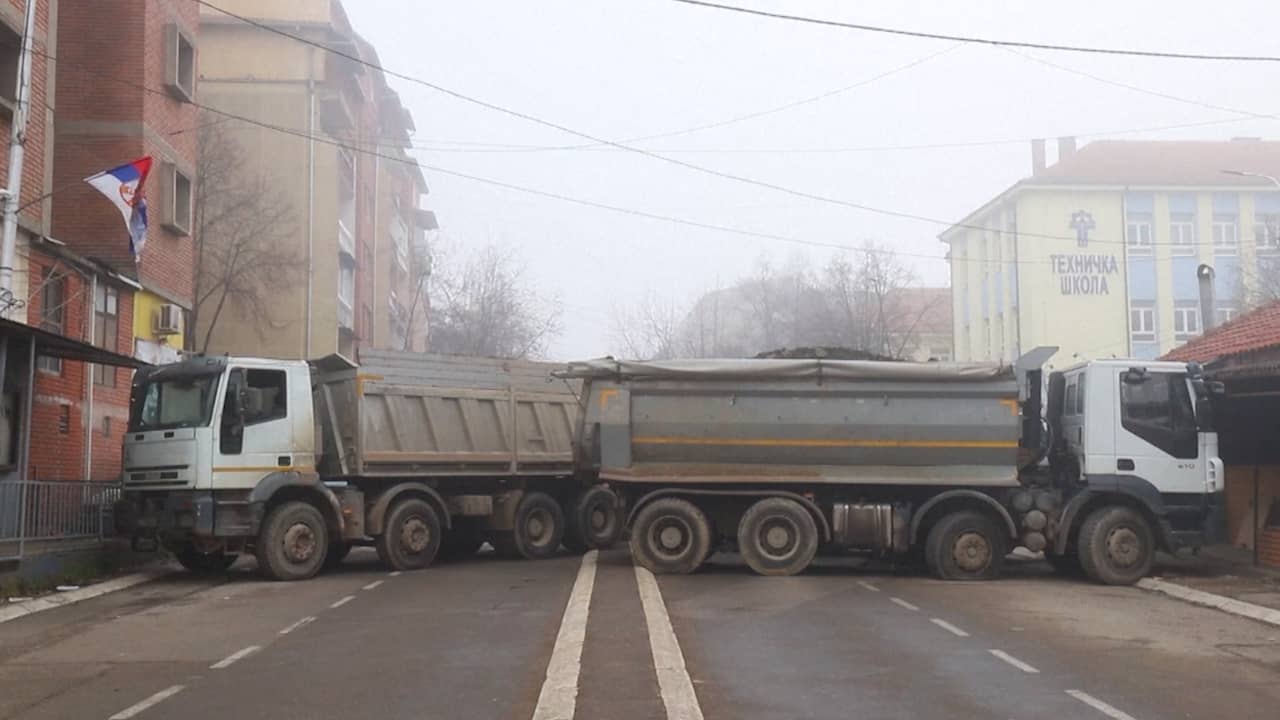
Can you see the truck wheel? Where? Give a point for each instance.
(670, 536)
(593, 520)
(777, 536)
(411, 537)
(1116, 546)
(204, 563)
(293, 542)
(965, 545)
(338, 552)
(539, 526)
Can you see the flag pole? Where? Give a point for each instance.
(17, 142)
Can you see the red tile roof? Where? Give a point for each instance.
(1165, 162)
(1255, 330)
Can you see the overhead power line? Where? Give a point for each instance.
(1132, 52)
(639, 151)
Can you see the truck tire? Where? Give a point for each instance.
(1116, 546)
(204, 563)
(293, 542)
(594, 520)
(966, 545)
(539, 526)
(777, 536)
(670, 536)
(411, 536)
(338, 551)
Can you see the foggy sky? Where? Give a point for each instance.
(624, 68)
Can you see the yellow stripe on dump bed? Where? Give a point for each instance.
(817, 442)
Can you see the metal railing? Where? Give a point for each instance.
(45, 512)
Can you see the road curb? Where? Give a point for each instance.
(1219, 602)
(13, 611)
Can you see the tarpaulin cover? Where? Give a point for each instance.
(730, 369)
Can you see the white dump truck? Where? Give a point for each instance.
(954, 464)
(297, 462)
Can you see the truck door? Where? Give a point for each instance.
(254, 433)
(1156, 435)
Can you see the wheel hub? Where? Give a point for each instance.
(299, 543)
(599, 519)
(671, 536)
(415, 535)
(1124, 548)
(972, 552)
(538, 527)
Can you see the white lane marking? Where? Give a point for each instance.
(300, 623)
(373, 585)
(903, 603)
(559, 696)
(149, 702)
(674, 683)
(949, 627)
(226, 661)
(1024, 667)
(1098, 705)
(868, 586)
(394, 573)
(343, 601)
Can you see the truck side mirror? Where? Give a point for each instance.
(1216, 388)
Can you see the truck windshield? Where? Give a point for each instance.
(175, 403)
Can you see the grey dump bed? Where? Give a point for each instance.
(783, 421)
(419, 415)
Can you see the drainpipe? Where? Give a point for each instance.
(311, 197)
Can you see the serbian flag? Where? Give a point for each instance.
(123, 186)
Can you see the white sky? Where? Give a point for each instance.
(624, 68)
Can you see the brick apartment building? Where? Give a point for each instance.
(111, 97)
(345, 172)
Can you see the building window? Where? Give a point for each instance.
(53, 287)
(179, 63)
(1138, 234)
(1182, 234)
(1225, 314)
(176, 197)
(1266, 233)
(106, 327)
(1186, 321)
(1225, 237)
(346, 293)
(10, 49)
(1142, 323)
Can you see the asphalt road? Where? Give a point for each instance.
(491, 638)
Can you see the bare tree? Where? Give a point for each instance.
(867, 300)
(241, 223)
(484, 306)
(652, 330)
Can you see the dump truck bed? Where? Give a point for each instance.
(401, 414)
(801, 421)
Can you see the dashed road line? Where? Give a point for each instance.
(868, 586)
(1100, 706)
(674, 683)
(343, 601)
(237, 655)
(373, 585)
(948, 627)
(300, 623)
(394, 573)
(559, 695)
(156, 699)
(1024, 667)
(903, 603)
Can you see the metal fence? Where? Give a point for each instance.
(37, 511)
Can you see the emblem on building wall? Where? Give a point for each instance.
(1082, 223)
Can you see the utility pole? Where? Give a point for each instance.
(17, 141)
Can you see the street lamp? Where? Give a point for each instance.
(1246, 173)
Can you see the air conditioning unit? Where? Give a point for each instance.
(168, 320)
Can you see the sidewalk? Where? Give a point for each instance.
(1223, 570)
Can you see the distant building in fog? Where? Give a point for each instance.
(1098, 253)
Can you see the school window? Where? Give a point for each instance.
(1225, 238)
(1182, 234)
(1142, 323)
(1138, 234)
(1266, 233)
(52, 313)
(106, 327)
(179, 63)
(1186, 322)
